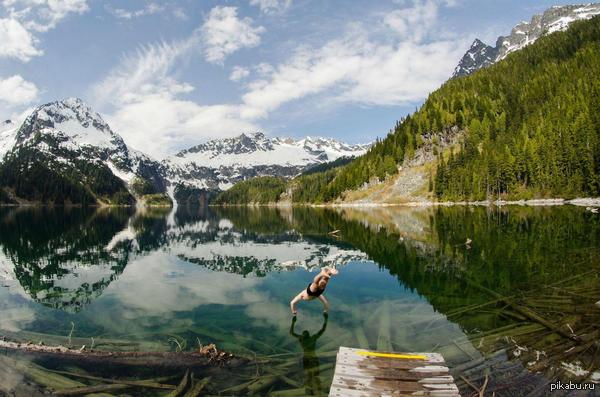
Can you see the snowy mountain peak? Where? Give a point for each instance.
(70, 119)
(220, 163)
(554, 19)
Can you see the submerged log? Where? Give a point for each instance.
(179, 360)
(139, 383)
(197, 388)
(80, 391)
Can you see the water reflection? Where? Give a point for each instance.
(61, 261)
(225, 275)
(310, 360)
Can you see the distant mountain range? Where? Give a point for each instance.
(553, 19)
(218, 164)
(65, 152)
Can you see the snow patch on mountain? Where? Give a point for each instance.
(8, 137)
(554, 19)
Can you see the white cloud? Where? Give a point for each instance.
(43, 15)
(239, 73)
(149, 9)
(272, 6)
(396, 66)
(413, 23)
(27, 16)
(224, 33)
(147, 72)
(16, 91)
(161, 125)
(16, 42)
(150, 114)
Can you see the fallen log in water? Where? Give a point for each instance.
(208, 356)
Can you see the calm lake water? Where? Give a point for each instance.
(408, 281)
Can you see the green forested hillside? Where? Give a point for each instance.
(260, 190)
(29, 175)
(532, 126)
(533, 122)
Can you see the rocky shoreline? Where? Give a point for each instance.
(580, 202)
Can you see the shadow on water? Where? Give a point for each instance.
(502, 293)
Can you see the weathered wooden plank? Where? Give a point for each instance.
(386, 385)
(365, 373)
(342, 392)
(402, 366)
(384, 363)
(387, 373)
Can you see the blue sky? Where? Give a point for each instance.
(170, 74)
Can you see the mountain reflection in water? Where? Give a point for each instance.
(408, 281)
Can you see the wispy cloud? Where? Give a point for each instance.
(272, 6)
(151, 8)
(404, 61)
(149, 110)
(398, 63)
(239, 73)
(43, 15)
(224, 33)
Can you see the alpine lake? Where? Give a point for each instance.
(506, 294)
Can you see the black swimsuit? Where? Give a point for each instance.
(317, 293)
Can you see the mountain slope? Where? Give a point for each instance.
(554, 19)
(218, 164)
(65, 153)
(528, 127)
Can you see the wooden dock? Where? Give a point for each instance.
(366, 373)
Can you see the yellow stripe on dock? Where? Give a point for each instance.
(392, 355)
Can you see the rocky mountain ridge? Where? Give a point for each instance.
(554, 19)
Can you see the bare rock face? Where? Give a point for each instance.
(552, 20)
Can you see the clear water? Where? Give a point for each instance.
(170, 281)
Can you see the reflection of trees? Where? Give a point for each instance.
(53, 250)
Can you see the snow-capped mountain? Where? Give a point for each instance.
(72, 142)
(218, 164)
(82, 158)
(554, 19)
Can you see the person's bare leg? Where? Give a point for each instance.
(325, 303)
(295, 301)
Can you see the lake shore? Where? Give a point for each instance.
(580, 202)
